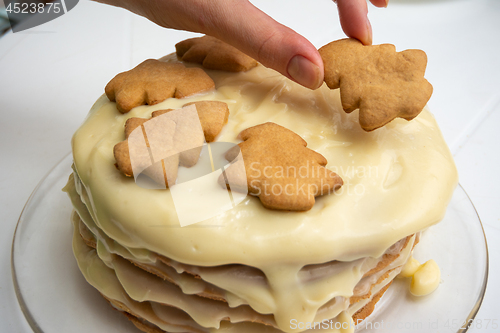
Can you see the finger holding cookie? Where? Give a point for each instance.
(354, 20)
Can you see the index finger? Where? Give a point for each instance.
(354, 20)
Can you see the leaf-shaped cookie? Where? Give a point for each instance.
(153, 81)
(186, 144)
(382, 83)
(280, 169)
(213, 53)
(213, 116)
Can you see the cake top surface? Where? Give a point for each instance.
(398, 180)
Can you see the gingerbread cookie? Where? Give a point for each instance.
(382, 83)
(280, 169)
(213, 53)
(213, 116)
(153, 81)
(134, 153)
(174, 140)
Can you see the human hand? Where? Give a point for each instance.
(242, 25)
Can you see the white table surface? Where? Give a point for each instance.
(51, 75)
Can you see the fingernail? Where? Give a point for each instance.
(304, 72)
(369, 37)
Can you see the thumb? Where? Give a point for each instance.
(253, 32)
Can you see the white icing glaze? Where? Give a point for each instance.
(397, 181)
(317, 283)
(104, 279)
(119, 280)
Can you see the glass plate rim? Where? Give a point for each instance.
(478, 303)
(20, 299)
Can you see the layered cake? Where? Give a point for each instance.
(316, 262)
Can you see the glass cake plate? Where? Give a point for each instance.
(55, 297)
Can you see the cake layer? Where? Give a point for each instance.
(150, 298)
(327, 284)
(141, 286)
